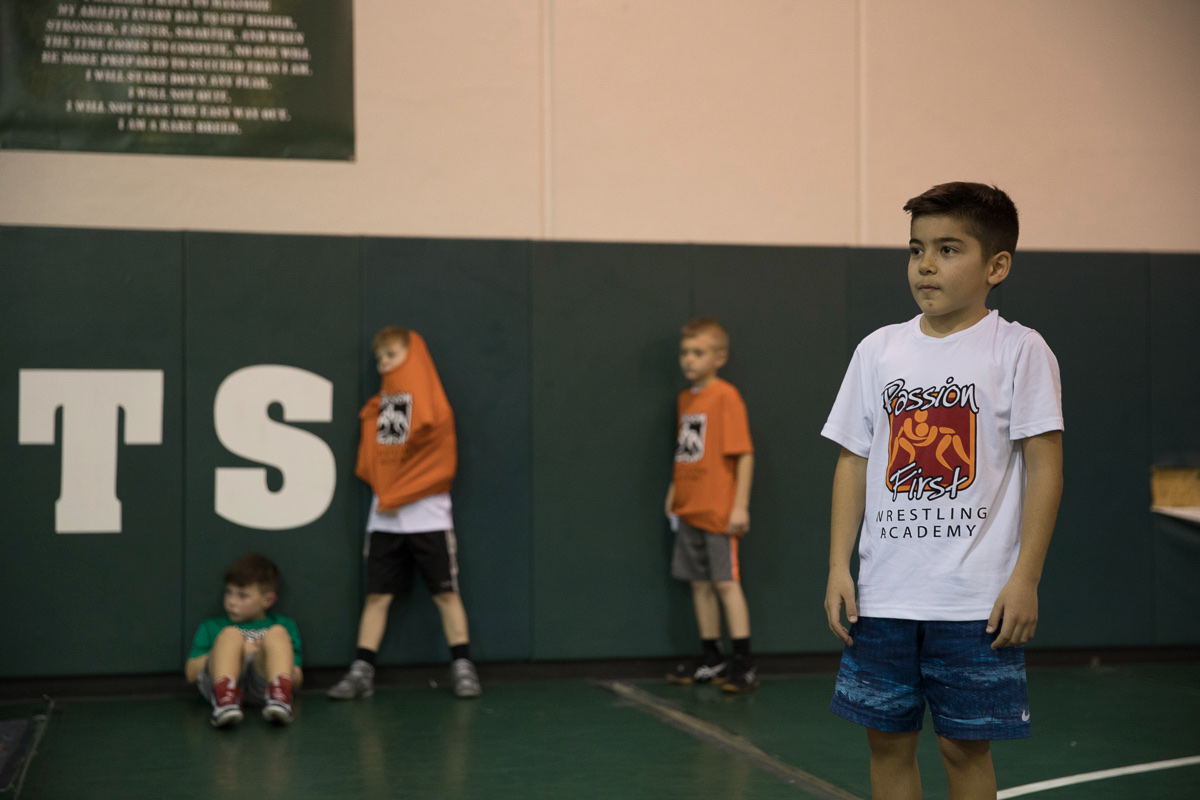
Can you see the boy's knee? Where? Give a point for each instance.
(379, 600)
(896, 746)
(230, 635)
(963, 753)
(447, 599)
(728, 588)
(277, 634)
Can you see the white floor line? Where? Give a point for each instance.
(1103, 774)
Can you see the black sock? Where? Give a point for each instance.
(366, 655)
(741, 647)
(711, 649)
(460, 651)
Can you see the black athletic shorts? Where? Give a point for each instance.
(393, 557)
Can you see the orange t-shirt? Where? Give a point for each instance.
(407, 448)
(713, 431)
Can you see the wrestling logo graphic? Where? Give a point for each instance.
(692, 428)
(395, 417)
(931, 444)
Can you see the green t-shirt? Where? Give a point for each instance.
(209, 629)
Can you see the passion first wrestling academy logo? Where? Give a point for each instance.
(931, 445)
(395, 418)
(691, 438)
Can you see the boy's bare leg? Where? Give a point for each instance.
(359, 680)
(454, 625)
(227, 656)
(708, 609)
(894, 773)
(275, 660)
(969, 768)
(454, 617)
(373, 622)
(275, 654)
(737, 614)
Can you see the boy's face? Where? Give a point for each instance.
(390, 355)
(700, 357)
(247, 603)
(948, 273)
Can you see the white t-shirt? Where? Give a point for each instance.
(432, 513)
(939, 422)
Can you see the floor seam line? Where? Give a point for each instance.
(730, 742)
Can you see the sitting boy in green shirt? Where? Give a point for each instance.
(250, 654)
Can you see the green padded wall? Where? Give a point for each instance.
(785, 312)
(470, 301)
(1093, 309)
(604, 346)
(1175, 437)
(561, 361)
(1175, 376)
(294, 301)
(86, 603)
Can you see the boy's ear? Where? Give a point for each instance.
(270, 597)
(722, 357)
(998, 267)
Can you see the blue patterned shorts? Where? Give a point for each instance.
(896, 665)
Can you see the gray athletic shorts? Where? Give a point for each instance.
(703, 556)
(253, 685)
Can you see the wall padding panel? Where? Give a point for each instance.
(785, 311)
(605, 325)
(275, 300)
(90, 603)
(1093, 309)
(470, 302)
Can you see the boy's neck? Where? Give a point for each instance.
(703, 383)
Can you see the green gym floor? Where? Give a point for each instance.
(578, 738)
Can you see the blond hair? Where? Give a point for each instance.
(710, 326)
(388, 335)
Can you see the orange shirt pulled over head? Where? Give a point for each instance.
(713, 431)
(407, 449)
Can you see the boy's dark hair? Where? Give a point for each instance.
(253, 570)
(707, 325)
(989, 214)
(391, 333)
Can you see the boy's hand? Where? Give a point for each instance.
(739, 522)
(839, 591)
(1015, 613)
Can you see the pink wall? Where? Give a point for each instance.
(757, 121)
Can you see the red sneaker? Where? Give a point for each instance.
(278, 708)
(227, 702)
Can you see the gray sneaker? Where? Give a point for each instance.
(466, 681)
(359, 681)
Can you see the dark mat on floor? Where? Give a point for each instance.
(15, 736)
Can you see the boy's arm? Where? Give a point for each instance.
(670, 498)
(739, 517)
(1016, 608)
(849, 503)
(193, 667)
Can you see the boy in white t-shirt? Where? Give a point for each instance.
(951, 433)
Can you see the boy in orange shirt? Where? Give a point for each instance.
(407, 453)
(708, 505)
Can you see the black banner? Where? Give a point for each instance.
(261, 78)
